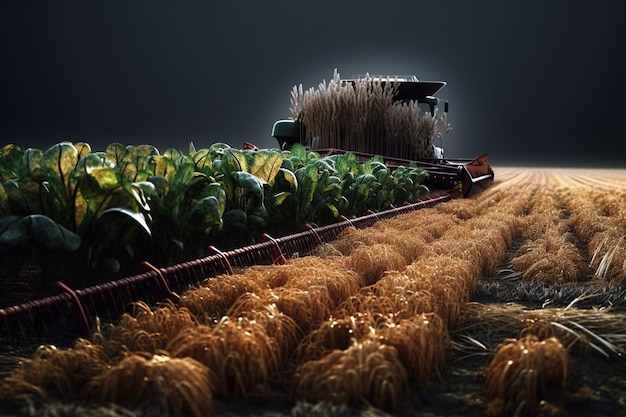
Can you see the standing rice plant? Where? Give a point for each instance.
(52, 374)
(608, 259)
(310, 271)
(422, 342)
(520, 372)
(537, 264)
(336, 334)
(451, 282)
(366, 302)
(164, 385)
(237, 350)
(306, 307)
(278, 325)
(463, 208)
(372, 261)
(428, 223)
(366, 372)
(405, 296)
(144, 329)
(406, 243)
(210, 300)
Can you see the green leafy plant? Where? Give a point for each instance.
(80, 191)
(186, 208)
(245, 175)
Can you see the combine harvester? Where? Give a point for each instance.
(77, 310)
(461, 175)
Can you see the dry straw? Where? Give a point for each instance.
(450, 281)
(310, 271)
(336, 334)
(176, 387)
(51, 373)
(520, 373)
(372, 261)
(238, 351)
(409, 245)
(422, 343)
(210, 300)
(144, 330)
(366, 372)
(597, 331)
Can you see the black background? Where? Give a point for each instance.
(529, 82)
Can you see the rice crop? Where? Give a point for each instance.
(517, 291)
(177, 387)
(521, 372)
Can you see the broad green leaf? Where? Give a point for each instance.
(206, 214)
(27, 197)
(264, 164)
(235, 160)
(218, 151)
(4, 201)
(249, 183)
(307, 183)
(32, 158)
(116, 153)
(59, 161)
(280, 197)
(91, 162)
(140, 155)
(13, 232)
(256, 222)
(47, 234)
(161, 186)
(106, 178)
(137, 218)
(202, 160)
(11, 160)
(82, 148)
(174, 154)
(36, 229)
(286, 181)
(162, 166)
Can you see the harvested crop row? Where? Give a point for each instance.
(243, 328)
(549, 252)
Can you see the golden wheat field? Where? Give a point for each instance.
(509, 302)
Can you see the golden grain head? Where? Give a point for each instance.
(521, 370)
(335, 334)
(366, 372)
(422, 342)
(372, 261)
(176, 386)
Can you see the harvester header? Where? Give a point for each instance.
(394, 116)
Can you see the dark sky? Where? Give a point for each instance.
(529, 82)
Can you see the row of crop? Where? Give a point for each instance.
(599, 220)
(366, 317)
(102, 213)
(362, 320)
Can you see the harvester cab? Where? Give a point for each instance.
(403, 132)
